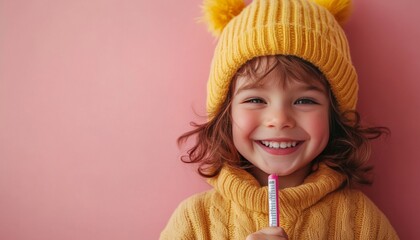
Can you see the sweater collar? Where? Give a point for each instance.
(242, 188)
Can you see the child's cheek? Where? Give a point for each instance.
(318, 126)
(244, 121)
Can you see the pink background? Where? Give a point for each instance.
(93, 95)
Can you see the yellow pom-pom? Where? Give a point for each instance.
(218, 13)
(341, 9)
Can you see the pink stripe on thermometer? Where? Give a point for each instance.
(273, 201)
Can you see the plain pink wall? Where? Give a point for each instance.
(93, 95)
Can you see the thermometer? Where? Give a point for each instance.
(273, 201)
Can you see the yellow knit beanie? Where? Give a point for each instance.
(309, 29)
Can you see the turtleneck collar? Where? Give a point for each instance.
(242, 188)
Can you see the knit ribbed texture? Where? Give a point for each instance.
(289, 27)
(317, 209)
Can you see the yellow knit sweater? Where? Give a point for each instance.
(317, 209)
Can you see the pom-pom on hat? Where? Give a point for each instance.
(309, 29)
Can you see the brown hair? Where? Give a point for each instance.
(348, 148)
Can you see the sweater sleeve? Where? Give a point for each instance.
(374, 224)
(190, 219)
(179, 225)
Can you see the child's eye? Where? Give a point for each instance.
(254, 100)
(305, 101)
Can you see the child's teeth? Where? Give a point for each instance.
(279, 144)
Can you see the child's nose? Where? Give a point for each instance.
(280, 118)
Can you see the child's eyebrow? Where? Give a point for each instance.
(308, 87)
(304, 87)
(248, 87)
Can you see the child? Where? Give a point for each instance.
(281, 99)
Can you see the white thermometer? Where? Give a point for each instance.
(273, 201)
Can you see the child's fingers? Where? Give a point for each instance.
(274, 233)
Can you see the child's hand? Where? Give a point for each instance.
(272, 233)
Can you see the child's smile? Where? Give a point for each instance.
(280, 146)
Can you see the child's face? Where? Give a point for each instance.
(280, 128)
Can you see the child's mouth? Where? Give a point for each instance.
(279, 145)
